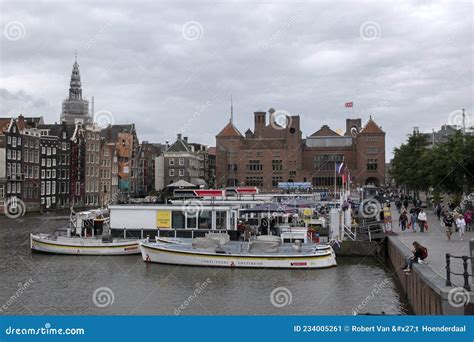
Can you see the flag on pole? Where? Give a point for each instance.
(339, 167)
(349, 104)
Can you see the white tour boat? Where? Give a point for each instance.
(217, 250)
(87, 235)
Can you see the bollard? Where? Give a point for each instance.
(465, 273)
(448, 270)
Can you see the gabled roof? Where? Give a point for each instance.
(371, 127)
(56, 129)
(325, 131)
(178, 146)
(229, 131)
(211, 150)
(111, 132)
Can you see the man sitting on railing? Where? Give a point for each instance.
(419, 253)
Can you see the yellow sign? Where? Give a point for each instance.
(307, 212)
(163, 219)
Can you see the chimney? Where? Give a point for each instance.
(259, 123)
(185, 139)
(179, 136)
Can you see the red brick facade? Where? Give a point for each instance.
(275, 153)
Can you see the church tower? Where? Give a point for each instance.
(75, 108)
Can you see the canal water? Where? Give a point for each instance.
(43, 284)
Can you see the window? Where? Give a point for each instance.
(277, 165)
(19, 141)
(276, 180)
(43, 150)
(53, 187)
(48, 188)
(48, 173)
(171, 161)
(254, 165)
(9, 154)
(63, 145)
(54, 150)
(371, 164)
(9, 140)
(327, 162)
(181, 161)
(254, 180)
(372, 150)
(181, 173)
(42, 188)
(43, 161)
(18, 156)
(171, 172)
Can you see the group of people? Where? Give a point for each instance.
(454, 221)
(416, 217)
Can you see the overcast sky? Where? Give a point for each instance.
(171, 67)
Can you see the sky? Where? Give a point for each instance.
(171, 67)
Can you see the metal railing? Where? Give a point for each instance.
(465, 274)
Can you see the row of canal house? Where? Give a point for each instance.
(55, 166)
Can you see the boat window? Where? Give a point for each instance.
(221, 219)
(191, 222)
(205, 220)
(177, 220)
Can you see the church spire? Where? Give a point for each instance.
(75, 90)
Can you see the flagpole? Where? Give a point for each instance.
(335, 170)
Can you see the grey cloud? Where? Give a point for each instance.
(306, 58)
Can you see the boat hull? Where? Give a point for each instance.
(166, 254)
(82, 246)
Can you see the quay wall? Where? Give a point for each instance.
(425, 289)
(362, 249)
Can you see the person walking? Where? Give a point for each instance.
(398, 204)
(461, 224)
(468, 219)
(422, 220)
(405, 203)
(403, 219)
(438, 211)
(413, 219)
(448, 222)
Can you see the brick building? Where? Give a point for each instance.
(274, 153)
(92, 177)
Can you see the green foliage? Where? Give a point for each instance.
(447, 167)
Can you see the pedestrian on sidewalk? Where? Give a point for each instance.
(419, 253)
(422, 220)
(461, 224)
(398, 204)
(405, 203)
(438, 211)
(413, 219)
(403, 219)
(468, 219)
(448, 222)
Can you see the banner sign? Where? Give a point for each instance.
(237, 328)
